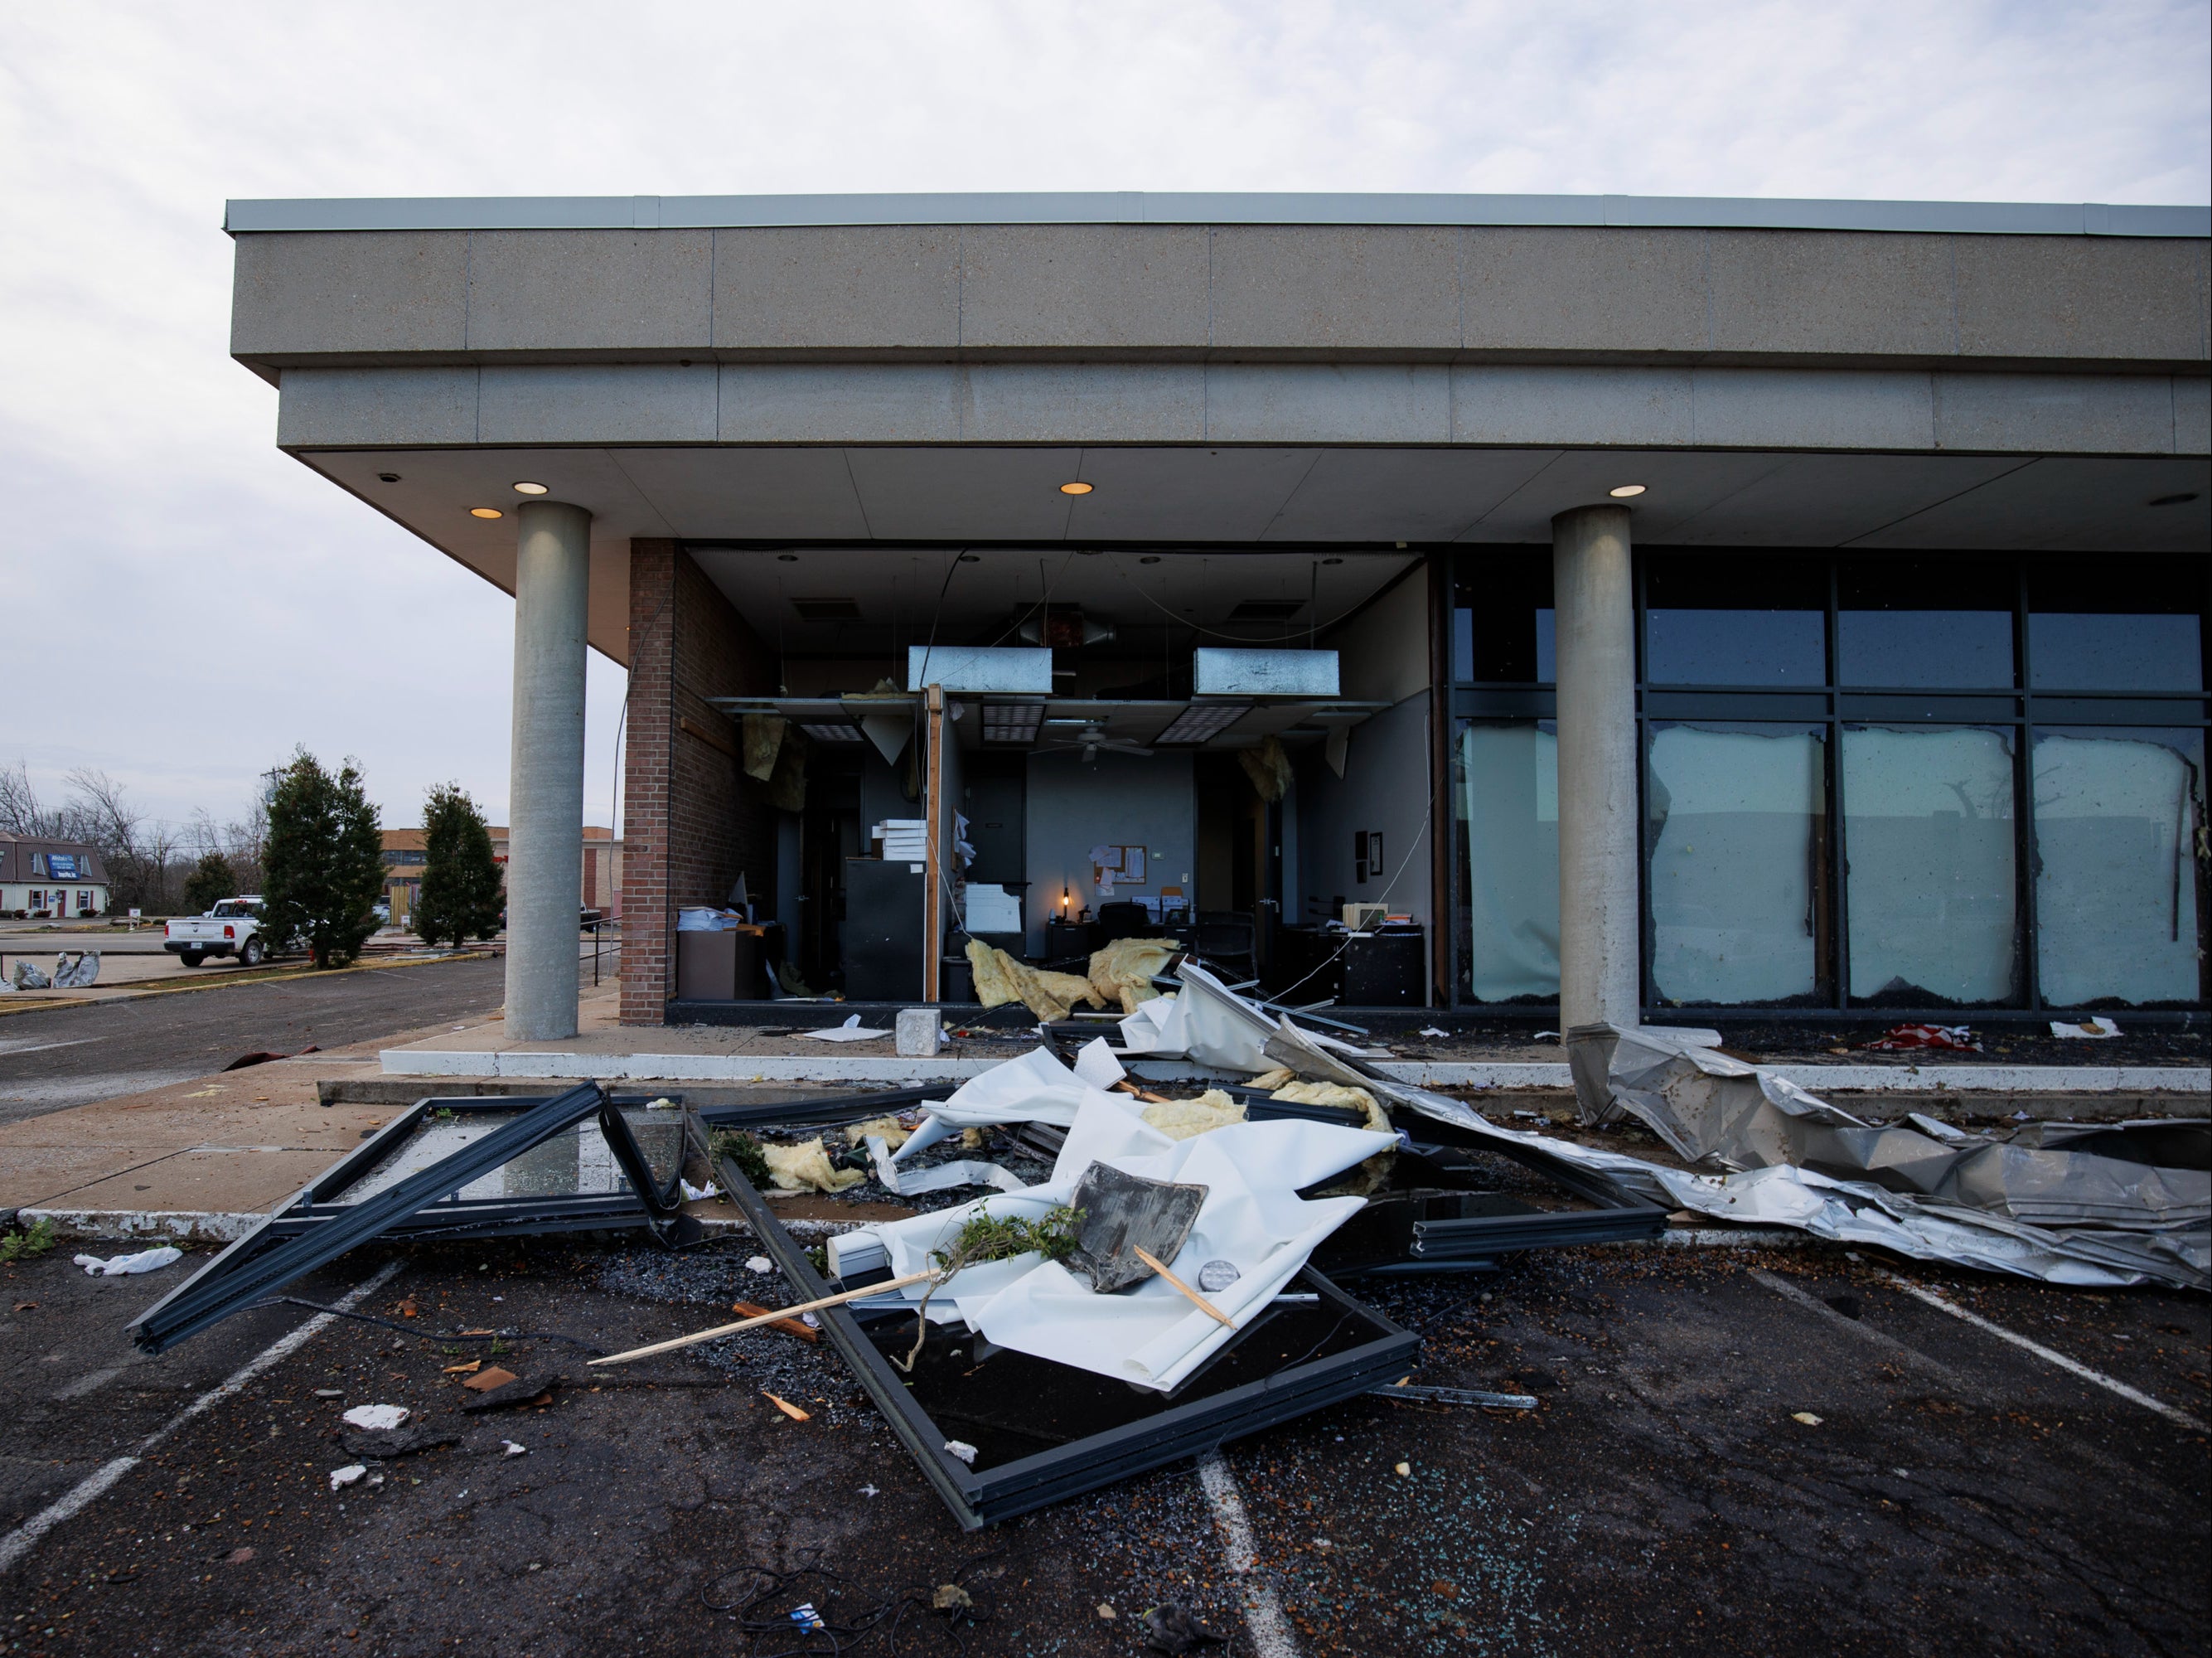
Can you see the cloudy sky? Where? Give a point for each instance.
(180, 605)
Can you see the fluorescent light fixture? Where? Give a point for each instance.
(1202, 723)
(1012, 722)
(823, 731)
(486, 512)
(530, 488)
(1622, 492)
(1078, 488)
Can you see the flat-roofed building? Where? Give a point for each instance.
(1671, 608)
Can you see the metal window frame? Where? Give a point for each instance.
(312, 1228)
(1173, 1434)
(2021, 708)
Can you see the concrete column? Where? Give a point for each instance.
(1594, 600)
(545, 837)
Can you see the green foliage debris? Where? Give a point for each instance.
(27, 1245)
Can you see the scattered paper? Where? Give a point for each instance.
(2092, 1030)
(759, 1264)
(513, 1449)
(347, 1475)
(1805, 1417)
(116, 1266)
(377, 1419)
(961, 1448)
(693, 1194)
(851, 1031)
(1431, 1030)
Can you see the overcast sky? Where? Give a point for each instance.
(182, 605)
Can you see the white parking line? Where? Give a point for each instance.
(87, 1491)
(1263, 1612)
(2111, 1384)
(1865, 1332)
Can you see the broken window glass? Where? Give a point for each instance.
(1923, 625)
(1928, 821)
(1739, 853)
(1735, 622)
(2118, 883)
(1509, 808)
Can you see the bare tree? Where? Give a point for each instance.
(21, 813)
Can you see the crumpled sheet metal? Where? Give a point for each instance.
(2121, 1213)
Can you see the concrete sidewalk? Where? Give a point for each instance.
(609, 1051)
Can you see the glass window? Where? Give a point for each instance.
(1924, 624)
(2118, 881)
(1502, 622)
(2140, 630)
(1927, 871)
(1507, 793)
(1735, 621)
(1738, 857)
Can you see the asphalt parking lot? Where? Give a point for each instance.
(1955, 1491)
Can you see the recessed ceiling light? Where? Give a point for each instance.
(971, 558)
(2174, 500)
(786, 559)
(1332, 561)
(1078, 488)
(1150, 558)
(1623, 491)
(387, 478)
(486, 512)
(530, 488)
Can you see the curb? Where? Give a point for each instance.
(279, 976)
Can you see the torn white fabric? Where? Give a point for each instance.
(912, 1183)
(116, 1266)
(1097, 1064)
(1033, 1088)
(1148, 1335)
(851, 1031)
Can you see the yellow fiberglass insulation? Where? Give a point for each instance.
(1179, 1119)
(999, 979)
(1123, 972)
(1367, 1177)
(894, 1134)
(806, 1167)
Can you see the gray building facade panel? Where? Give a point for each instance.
(2081, 298)
(597, 402)
(590, 290)
(350, 291)
(1541, 290)
(1081, 287)
(1336, 288)
(341, 408)
(1850, 295)
(879, 288)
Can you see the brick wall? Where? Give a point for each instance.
(691, 818)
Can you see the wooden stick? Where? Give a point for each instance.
(770, 1318)
(1146, 1094)
(1204, 1305)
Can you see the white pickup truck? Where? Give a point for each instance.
(232, 928)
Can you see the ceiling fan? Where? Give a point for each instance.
(1089, 736)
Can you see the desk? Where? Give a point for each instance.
(728, 966)
(1369, 970)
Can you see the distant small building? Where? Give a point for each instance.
(56, 880)
(404, 854)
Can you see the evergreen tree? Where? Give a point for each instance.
(461, 893)
(324, 865)
(211, 881)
